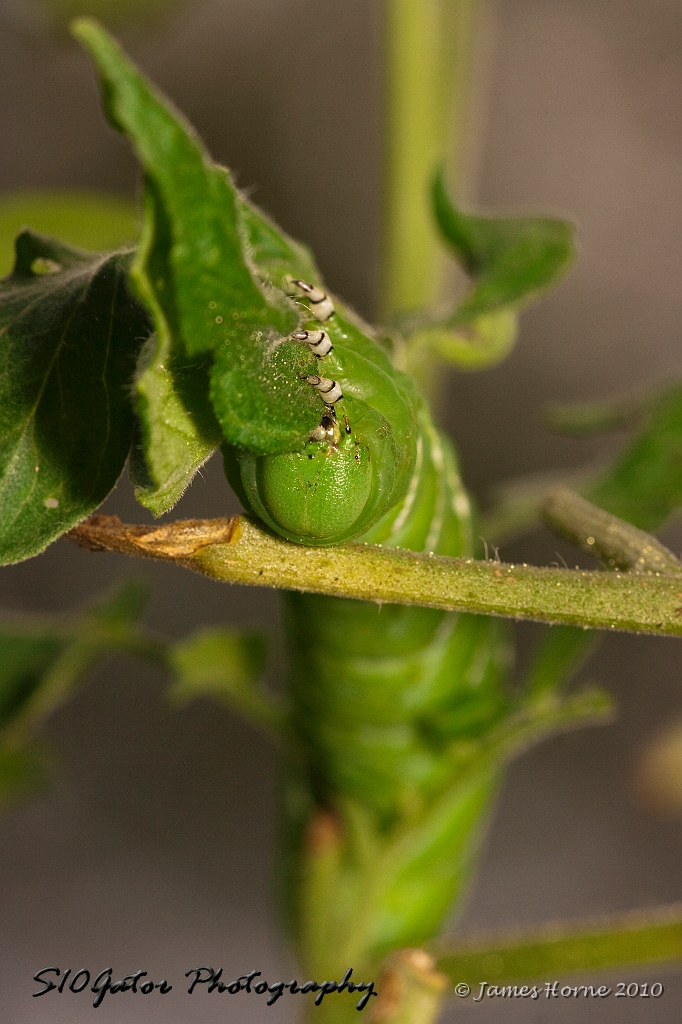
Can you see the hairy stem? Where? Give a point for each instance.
(618, 544)
(238, 550)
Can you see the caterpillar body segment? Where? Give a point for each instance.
(435, 515)
(329, 389)
(318, 341)
(321, 306)
(387, 702)
(342, 479)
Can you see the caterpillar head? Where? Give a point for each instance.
(333, 489)
(321, 495)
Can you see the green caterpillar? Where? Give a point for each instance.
(382, 700)
(386, 702)
(326, 441)
(359, 460)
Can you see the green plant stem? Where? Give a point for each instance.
(91, 641)
(238, 550)
(428, 56)
(618, 544)
(645, 937)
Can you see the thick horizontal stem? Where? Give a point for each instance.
(555, 951)
(237, 550)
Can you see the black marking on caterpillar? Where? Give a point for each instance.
(328, 430)
(329, 389)
(319, 342)
(322, 306)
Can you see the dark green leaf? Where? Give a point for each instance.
(178, 429)
(206, 298)
(511, 259)
(69, 338)
(88, 220)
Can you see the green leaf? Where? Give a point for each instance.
(227, 665)
(557, 657)
(25, 656)
(511, 259)
(70, 335)
(206, 298)
(178, 429)
(87, 220)
(479, 345)
(644, 483)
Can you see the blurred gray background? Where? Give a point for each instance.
(155, 847)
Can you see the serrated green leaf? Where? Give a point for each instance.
(69, 338)
(511, 259)
(88, 220)
(207, 298)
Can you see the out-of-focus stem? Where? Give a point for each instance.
(558, 950)
(619, 544)
(428, 56)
